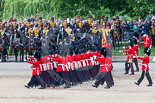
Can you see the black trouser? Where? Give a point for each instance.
(73, 76)
(128, 66)
(147, 76)
(110, 74)
(66, 78)
(136, 63)
(34, 79)
(104, 77)
(100, 79)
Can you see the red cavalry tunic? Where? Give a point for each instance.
(145, 63)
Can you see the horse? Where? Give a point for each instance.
(2, 46)
(117, 35)
(11, 37)
(44, 45)
(30, 45)
(18, 45)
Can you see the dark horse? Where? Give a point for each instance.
(18, 45)
(2, 46)
(117, 35)
(30, 45)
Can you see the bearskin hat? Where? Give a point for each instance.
(134, 41)
(130, 42)
(103, 52)
(37, 55)
(147, 51)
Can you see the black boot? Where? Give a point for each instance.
(95, 85)
(107, 87)
(137, 83)
(27, 86)
(149, 85)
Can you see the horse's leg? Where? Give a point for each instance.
(26, 54)
(16, 53)
(118, 41)
(3, 56)
(121, 40)
(22, 54)
(113, 44)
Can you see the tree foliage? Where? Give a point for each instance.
(72, 8)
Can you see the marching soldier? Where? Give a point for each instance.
(147, 41)
(104, 67)
(129, 62)
(36, 78)
(145, 67)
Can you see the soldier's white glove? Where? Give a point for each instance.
(120, 51)
(124, 47)
(144, 35)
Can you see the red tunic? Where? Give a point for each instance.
(135, 48)
(109, 64)
(147, 41)
(103, 64)
(83, 60)
(130, 53)
(145, 63)
(138, 42)
(36, 67)
(61, 63)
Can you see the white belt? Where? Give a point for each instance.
(79, 64)
(87, 62)
(84, 63)
(76, 66)
(145, 65)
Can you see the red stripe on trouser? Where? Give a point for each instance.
(131, 68)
